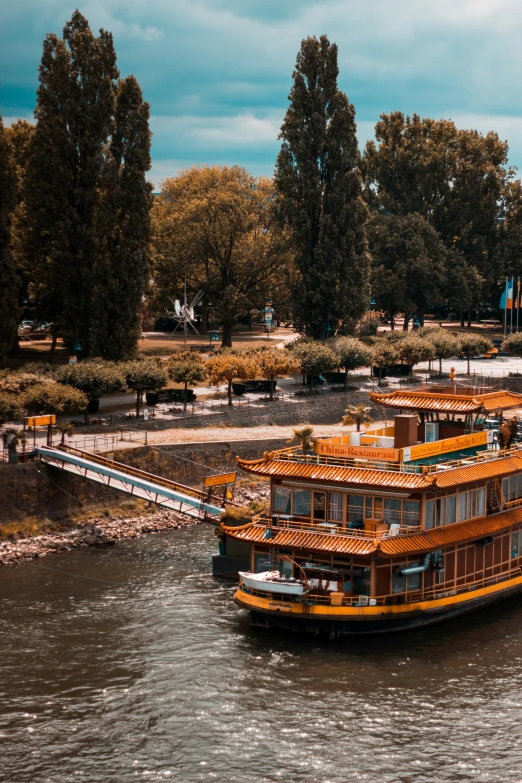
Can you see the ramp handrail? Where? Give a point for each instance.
(137, 472)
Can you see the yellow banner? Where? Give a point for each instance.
(220, 479)
(40, 421)
(361, 452)
(444, 446)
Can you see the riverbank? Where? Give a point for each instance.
(107, 531)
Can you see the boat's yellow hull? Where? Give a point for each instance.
(340, 620)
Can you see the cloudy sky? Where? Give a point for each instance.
(217, 72)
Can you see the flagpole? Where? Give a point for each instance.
(518, 299)
(512, 303)
(505, 308)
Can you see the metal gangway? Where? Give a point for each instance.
(116, 475)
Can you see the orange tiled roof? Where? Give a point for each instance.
(354, 476)
(499, 400)
(395, 545)
(448, 403)
(478, 471)
(319, 542)
(451, 534)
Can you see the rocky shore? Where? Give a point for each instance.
(104, 531)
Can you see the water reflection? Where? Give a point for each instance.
(136, 663)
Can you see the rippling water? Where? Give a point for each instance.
(132, 663)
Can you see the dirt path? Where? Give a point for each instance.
(240, 433)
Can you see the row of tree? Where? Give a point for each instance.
(428, 216)
(71, 389)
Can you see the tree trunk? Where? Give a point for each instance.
(53, 344)
(461, 316)
(440, 365)
(345, 378)
(138, 401)
(229, 393)
(226, 341)
(358, 425)
(271, 379)
(469, 318)
(406, 322)
(185, 398)
(468, 358)
(203, 328)
(421, 318)
(392, 322)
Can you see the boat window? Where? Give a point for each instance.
(302, 502)
(355, 508)
(319, 505)
(285, 568)
(512, 487)
(335, 506)
(411, 512)
(392, 511)
(281, 500)
(261, 562)
(430, 514)
(481, 501)
(462, 508)
(413, 581)
(398, 582)
(450, 510)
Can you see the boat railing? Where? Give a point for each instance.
(430, 594)
(294, 454)
(284, 522)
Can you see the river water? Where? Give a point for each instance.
(131, 663)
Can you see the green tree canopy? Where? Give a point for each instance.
(445, 344)
(54, 398)
(9, 278)
(409, 264)
(513, 344)
(95, 378)
(186, 367)
(352, 354)
(319, 183)
(144, 375)
(10, 407)
(473, 345)
(314, 357)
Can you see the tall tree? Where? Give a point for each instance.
(455, 179)
(409, 264)
(9, 279)
(215, 225)
(85, 193)
(126, 210)
(319, 183)
(21, 134)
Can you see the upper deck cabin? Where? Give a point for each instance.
(437, 464)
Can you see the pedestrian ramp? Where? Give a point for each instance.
(165, 492)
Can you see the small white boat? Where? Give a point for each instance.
(272, 582)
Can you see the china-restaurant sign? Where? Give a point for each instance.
(328, 449)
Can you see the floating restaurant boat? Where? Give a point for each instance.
(388, 529)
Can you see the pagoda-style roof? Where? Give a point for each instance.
(423, 400)
(270, 465)
(352, 544)
(485, 465)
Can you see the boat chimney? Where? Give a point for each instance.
(405, 430)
